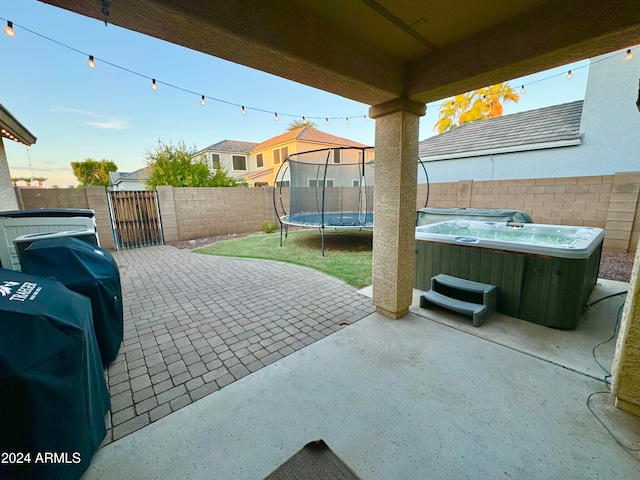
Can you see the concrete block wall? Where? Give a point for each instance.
(31, 198)
(202, 212)
(605, 201)
(94, 198)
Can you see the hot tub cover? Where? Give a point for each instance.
(53, 395)
(90, 271)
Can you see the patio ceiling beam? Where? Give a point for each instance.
(557, 33)
(281, 38)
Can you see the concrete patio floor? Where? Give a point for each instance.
(426, 396)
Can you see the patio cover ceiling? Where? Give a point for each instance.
(373, 51)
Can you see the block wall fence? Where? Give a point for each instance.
(607, 201)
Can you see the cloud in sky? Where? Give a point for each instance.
(111, 124)
(100, 120)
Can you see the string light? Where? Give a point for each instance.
(569, 75)
(275, 117)
(304, 120)
(91, 62)
(203, 102)
(154, 85)
(326, 121)
(365, 118)
(243, 111)
(347, 122)
(522, 90)
(629, 55)
(9, 29)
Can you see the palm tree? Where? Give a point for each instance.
(494, 96)
(40, 180)
(476, 105)
(300, 123)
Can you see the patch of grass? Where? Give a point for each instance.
(347, 253)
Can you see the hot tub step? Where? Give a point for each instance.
(474, 299)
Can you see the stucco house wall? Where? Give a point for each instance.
(7, 194)
(610, 123)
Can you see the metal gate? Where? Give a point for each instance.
(135, 219)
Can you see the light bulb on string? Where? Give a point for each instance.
(347, 121)
(243, 111)
(91, 63)
(9, 29)
(275, 117)
(569, 75)
(326, 121)
(522, 90)
(154, 85)
(629, 55)
(203, 102)
(365, 118)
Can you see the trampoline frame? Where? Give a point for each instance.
(285, 220)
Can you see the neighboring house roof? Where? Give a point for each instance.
(113, 176)
(140, 175)
(558, 125)
(308, 134)
(230, 146)
(258, 174)
(13, 129)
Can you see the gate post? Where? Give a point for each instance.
(168, 217)
(97, 201)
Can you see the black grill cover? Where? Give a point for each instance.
(90, 271)
(53, 395)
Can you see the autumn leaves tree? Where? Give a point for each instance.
(476, 105)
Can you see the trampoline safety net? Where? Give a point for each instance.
(328, 188)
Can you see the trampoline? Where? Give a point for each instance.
(327, 188)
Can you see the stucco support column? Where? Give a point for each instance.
(625, 385)
(396, 177)
(7, 194)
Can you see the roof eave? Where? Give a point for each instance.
(15, 128)
(564, 142)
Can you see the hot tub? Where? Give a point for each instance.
(544, 273)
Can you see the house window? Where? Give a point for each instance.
(355, 183)
(215, 160)
(336, 156)
(261, 184)
(259, 161)
(276, 156)
(285, 153)
(283, 183)
(239, 162)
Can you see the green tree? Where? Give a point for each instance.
(476, 105)
(300, 123)
(40, 180)
(92, 172)
(176, 166)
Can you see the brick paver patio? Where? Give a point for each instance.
(196, 323)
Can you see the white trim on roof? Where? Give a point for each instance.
(570, 142)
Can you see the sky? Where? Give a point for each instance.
(77, 112)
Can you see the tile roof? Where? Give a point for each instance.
(516, 131)
(308, 134)
(258, 173)
(231, 146)
(135, 176)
